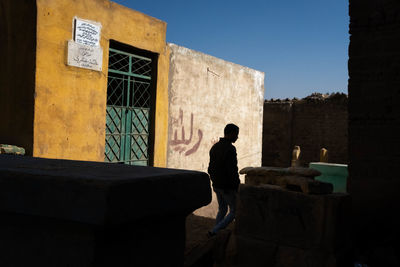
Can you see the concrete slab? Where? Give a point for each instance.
(95, 192)
(75, 213)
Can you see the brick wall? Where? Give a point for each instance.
(374, 117)
(312, 123)
(277, 134)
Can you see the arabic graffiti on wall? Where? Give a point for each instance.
(190, 145)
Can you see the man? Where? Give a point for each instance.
(224, 175)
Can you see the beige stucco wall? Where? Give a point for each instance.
(70, 102)
(206, 93)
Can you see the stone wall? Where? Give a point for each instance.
(277, 134)
(374, 121)
(312, 123)
(78, 213)
(206, 93)
(278, 227)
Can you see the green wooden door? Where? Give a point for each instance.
(128, 108)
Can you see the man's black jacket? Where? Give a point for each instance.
(223, 168)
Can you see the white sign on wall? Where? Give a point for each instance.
(86, 32)
(83, 56)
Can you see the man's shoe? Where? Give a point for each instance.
(210, 234)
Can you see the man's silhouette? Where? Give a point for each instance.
(224, 175)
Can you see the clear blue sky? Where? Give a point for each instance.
(301, 45)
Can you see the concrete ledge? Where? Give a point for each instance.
(72, 213)
(277, 171)
(97, 193)
(293, 183)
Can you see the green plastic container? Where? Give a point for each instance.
(335, 174)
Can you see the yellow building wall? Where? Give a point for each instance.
(70, 102)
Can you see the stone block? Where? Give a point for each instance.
(261, 179)
(39, 241)
(305, 185)
(76, 213)
(306, 172)
(291, 256)
(294, 183)
(251, 252)
(275, 171)
(285, 217)
(231, 252)
(337, 229)
(267, 171)
(10, 149)
(220, 245)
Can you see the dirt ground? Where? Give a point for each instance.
(201, 250)
(196, 231)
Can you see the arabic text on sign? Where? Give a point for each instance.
(84, 56)
(87, 33)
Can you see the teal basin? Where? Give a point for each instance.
(336, 174)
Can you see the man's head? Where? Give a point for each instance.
(231, 132)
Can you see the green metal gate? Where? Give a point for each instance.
(128, 108)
